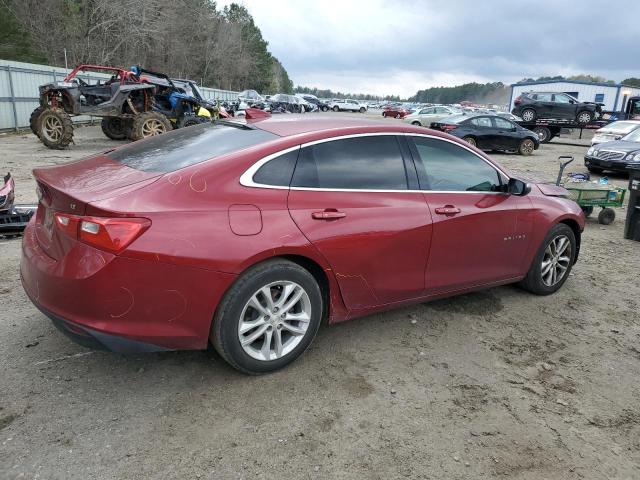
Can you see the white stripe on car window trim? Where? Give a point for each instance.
(246, 179)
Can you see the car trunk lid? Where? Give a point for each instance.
(71, 187)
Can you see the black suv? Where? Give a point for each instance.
(557, 106)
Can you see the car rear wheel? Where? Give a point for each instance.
(470, 140)
(114, 128)
(336, 109)
(325, 109)
(527, 146)
(584, 117)
(268, 318)
(55, 127)
(397, 115)
(528, 115)
(553, 261)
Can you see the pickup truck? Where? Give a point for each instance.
(347, 105)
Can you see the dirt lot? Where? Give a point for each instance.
(497, 384)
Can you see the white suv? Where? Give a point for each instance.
(346, 105)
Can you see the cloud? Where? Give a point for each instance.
(398, 47)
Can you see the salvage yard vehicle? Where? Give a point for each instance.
(614, 131)
(395, 111)
(123, 102)
(553, 105)
(615, 156)
(13, 218)
(322, 106)
(347, 105)
(425, 116)
(249, 234)
(490, 132)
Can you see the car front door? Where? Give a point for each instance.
(480, 233)
(564, 106)
(350, 197)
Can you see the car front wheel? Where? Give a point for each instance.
(268, 318)
(336, 109)
(584, 117)
(553, 262)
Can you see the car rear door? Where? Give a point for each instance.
(506, 137)
(484, 131)
(545, 107)
(350, 197)
(480, 234)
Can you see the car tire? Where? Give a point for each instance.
(190, 120)
(526, 147)
(541, 282)
(588, 210)
(149, 124)
(236, 309)
(56, 128)
(544, 134)
(606, 216)
(33, 121)
(397, 115)
(416, 123)
(584, 117)
(325, 109)
(471, 141)
(336, 109)
(114, 128)
(384, 114)
(529, 115)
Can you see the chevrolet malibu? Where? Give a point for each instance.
(250, 235)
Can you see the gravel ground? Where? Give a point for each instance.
(495, 384)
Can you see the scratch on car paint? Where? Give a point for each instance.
(181, 239)
(37, 290)
(104, 262)
(363, 279)
(184, 306)
(191, 184)
(172, 176)
(285, 236)
(130, 306)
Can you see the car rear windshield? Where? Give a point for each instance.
(188, 146)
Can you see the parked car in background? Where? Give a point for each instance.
(346, 218)
(395, 111)
(615, 156)
(282, 102)
(250, 97)
(313, 100)
(614, 131)
(347, 105)
(490, 132)
(425, 116)
(532, 106)
(509, 116)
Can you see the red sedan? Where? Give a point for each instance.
(248, 235)
(395, 112)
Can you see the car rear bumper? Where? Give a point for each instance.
(616, 166)
(122, 304)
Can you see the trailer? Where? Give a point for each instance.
(547, 129)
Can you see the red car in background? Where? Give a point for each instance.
(395, 111)
(248, 234)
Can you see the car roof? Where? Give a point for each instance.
(290, 125)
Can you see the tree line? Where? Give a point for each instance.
(183, 38)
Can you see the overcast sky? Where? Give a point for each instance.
(401, 46)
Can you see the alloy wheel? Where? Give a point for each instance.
(52, 128)
(584, 117)
(152, 127)
(274, 320)
(528, 115)
(556, 260)
(527, 147)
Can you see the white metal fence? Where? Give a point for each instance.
(19, 84)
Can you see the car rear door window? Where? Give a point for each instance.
(481, 122)
(277, 171)
(362, 163)
(503, 124)
(445, 166)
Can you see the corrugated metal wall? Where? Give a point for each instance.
(19, 84)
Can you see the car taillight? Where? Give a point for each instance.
(518, 100)
(111, 234)
(448, 128)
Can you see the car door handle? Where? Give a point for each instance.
(328, 214)
(447, 210)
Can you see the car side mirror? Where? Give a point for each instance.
(518, 187)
